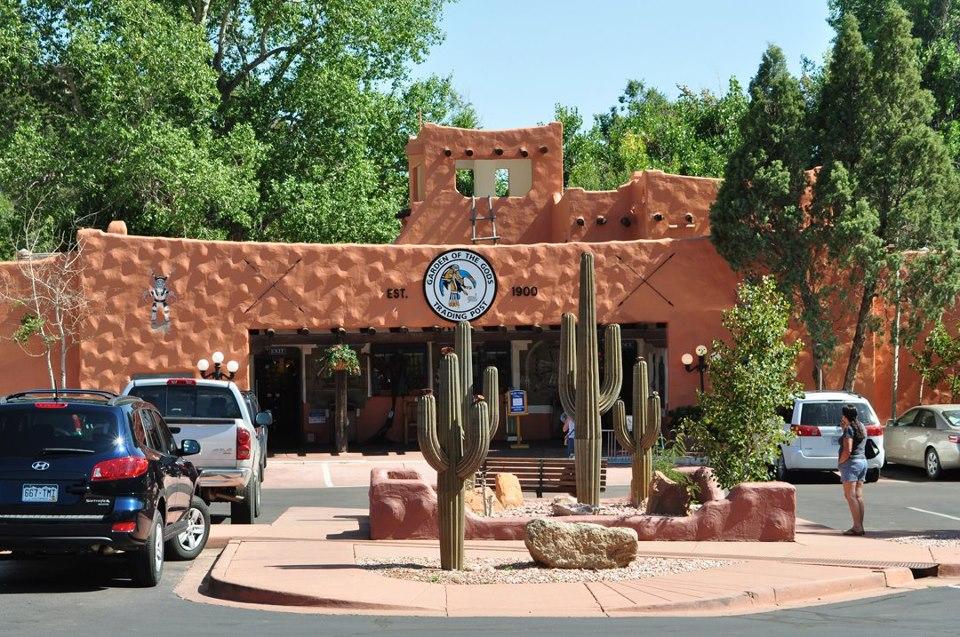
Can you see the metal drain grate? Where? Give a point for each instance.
(919, 569)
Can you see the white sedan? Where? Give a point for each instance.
(928, 437)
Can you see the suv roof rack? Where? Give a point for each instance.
(110, 396)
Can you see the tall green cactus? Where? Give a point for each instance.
(646, 429)
(579, 381)
(463, 347)
(455, 451)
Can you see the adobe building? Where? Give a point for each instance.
(502, 252)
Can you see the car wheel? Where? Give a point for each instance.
(932, 464)
(780, 471)
(246, 512)
(146, 564)
(873, 474)
(189, 544)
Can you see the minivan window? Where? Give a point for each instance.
(190, 401)
(827, 414)
(28, 431)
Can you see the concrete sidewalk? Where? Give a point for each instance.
(323, 470)
(307, 561)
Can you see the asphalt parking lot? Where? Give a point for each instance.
(83, 597)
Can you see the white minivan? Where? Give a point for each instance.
(815, 423)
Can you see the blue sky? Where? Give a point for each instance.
(515, 59)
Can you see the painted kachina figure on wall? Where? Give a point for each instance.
(160, 296)
(579, 381)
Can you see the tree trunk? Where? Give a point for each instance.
(859, 336)
(340, 419)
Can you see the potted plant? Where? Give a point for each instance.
(340, 358)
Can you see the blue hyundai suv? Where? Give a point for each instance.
(86, 471)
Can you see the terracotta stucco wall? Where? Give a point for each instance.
(216, 286)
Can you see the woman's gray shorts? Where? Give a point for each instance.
(853, 470)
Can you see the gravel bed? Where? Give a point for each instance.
(544, 509)
(506, 570)
(930, 538)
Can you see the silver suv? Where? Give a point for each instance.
(815, 423)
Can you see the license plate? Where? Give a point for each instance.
(40, 492)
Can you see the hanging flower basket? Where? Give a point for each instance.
(340, 358)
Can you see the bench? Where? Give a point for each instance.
(555, 475)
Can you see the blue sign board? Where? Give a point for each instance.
(516, 402)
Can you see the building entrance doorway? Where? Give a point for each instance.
(277, 379)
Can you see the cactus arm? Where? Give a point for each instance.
(613, 368)
(651, 431)
(620, 427)
(567, 380)
(491, 390)
(477, 439)
(427, 433)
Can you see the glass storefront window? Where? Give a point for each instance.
(320, 389)
(398, 369)
(539, 365)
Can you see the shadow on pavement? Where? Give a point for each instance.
(63, 574)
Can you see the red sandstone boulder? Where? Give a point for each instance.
(508, 490)
(667, 497)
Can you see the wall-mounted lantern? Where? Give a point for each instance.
(702, 366)
(217, 374)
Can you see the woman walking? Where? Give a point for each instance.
(853, 465)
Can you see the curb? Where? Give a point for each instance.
(221, 587)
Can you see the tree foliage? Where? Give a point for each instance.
(691, 135)
(938, 361)
(266, 119)
(751, 377)
(879, 221)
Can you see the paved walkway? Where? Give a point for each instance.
(323, 470)
(307, 562)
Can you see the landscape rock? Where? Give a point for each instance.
(508, 490)
(474, 501)
(568, 505)
(579, 545)
(667, 497)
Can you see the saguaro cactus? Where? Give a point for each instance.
(463, 347)
(455, 451)
(646, 428)
(579, 381)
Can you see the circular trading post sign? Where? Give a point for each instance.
(460, 285)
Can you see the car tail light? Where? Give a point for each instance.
(805, 430)
(124, 527)
(954, 438)
(874, 430)
(119, 469)
(181, 381)
(243, 444)
(50, 405)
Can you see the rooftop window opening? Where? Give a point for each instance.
(501, 182)
(465, 181)
(494, 177)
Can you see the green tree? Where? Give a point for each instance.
(938, 361)
(936, 25)
(757, 221)
(888, 192)
(751, 377)
(214, 119)
(691, 135)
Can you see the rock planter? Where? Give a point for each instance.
(404, 506)
(579, 545)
